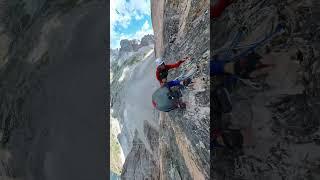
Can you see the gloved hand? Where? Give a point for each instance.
(184, 59)
(186, 82)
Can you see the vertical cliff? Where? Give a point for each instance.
(182, 29)
(157, 13)
(142, 163)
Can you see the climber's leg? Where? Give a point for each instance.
(181, 104)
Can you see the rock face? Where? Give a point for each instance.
(114, 53)
(133, 45)
(128, 45)
(147, 40)
(141, 163)
(280, 123)
(182, 29)
(44, 37)
(157, 13)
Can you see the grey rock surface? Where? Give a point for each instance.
(128, 45)
(140, 162)
(183, 150)
(280, 123)
(147, 40)
(184, 134)
(134, 45)
(52, 61)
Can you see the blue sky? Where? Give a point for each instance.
(129, 19)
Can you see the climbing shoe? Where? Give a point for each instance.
(182, 105)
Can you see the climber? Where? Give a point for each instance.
(217, 9)
(243, 68)
(162, 69)
(167, 97)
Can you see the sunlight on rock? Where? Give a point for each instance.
(124, 74)
(148, 54)
(116, 150)
(111, 77)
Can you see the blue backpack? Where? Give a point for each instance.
(163, 100)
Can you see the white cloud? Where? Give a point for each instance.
(142, 7)
(121, 14)
(138, 16)
(145, 29)
(121, 11)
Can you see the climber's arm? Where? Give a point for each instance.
(176, 65)
(173, 83)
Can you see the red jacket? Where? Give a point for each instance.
(167, 67)
(217, 9)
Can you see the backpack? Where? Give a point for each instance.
(164, 100)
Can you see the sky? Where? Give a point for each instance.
(129, 19)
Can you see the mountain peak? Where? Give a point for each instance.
(127, 45)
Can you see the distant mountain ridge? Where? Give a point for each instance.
(134, 45)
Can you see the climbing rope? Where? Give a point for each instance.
(253, 46)
(248, 47)
(234, 42)
(228, 56)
